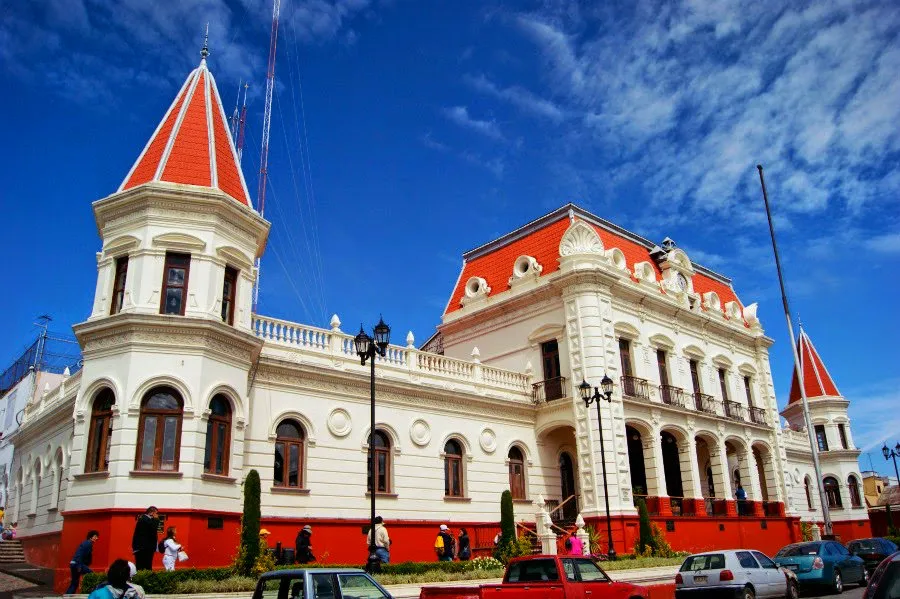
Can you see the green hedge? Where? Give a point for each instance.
(162, 582)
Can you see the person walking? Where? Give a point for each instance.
(144, 540)
(443, 544)
(303, 546)
(81, 561)
(172, 548)
(741, 496)
(382, 541)
(574, 546)
(465, 549)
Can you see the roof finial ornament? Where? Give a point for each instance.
(204, 52)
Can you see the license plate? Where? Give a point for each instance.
(700, 579)
(793, 567)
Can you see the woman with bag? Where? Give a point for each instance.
(465, 549)
(172, 550)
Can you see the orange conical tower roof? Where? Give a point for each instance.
(192, 145)
(816, 380)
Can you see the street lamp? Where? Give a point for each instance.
(892, 453)
(367, 348)
(588, 397)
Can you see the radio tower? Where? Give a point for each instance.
(241, 122)
(267, 122)
(233, 121)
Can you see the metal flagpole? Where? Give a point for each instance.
(823, 500)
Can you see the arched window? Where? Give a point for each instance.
(453, 475)
(516, 473)
(159, 430)
(97, 459)
(289, 439)
(853, 485)
(35, 486)
(832, 492)
(809, 502)
(218, 436)
(382, 448)
(57, 480)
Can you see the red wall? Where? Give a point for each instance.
(852, 529)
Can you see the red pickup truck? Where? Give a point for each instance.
(545, 577)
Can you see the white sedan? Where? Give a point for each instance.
(738, 573)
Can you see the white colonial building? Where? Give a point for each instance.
(184, 389)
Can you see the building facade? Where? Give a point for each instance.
(184, 389)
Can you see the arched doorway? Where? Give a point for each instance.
(636, 461)
(569, 509)
(671, 465)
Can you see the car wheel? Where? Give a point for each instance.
(749, 593)
(838, 585)
(864, 581)
(793, 592)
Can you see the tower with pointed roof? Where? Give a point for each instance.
(838, 456)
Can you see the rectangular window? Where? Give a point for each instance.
(723, 384)
(118, 297)
(821, 439)
(663, 368)
(695, 376)
(843, 434)
(625, 355)
(175, 284)
(553, 387)
(228, 294)
(215, 523)
(747, 391)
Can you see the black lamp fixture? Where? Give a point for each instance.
(892, 454)
(585, 388)
(367, 348)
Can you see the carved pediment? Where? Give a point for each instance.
(580, 238)
(181, 241)
(234, 256)
(120, 245)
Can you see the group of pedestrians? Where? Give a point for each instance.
(447, 548)
(145, 543)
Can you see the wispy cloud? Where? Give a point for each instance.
(460, 116)
(495, 166)
(873, 410)
(884, 244)
(519, 97)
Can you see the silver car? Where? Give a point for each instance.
(737, 573)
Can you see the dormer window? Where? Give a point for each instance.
(175, 283)
(118, 296)
(228, 294)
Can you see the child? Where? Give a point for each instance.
(171, 546)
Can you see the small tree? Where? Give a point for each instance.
(506, 545)
(250, 545)
(645, 538)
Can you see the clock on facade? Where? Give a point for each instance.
(681, 282)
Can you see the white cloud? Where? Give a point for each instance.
(517, 96)
(460, 116)
(888, 243)
(873, 411)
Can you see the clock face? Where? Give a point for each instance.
(681, 282)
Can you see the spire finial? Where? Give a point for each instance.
(204, 52)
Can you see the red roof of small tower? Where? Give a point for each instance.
(816, 380)
(192, 145)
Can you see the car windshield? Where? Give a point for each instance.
(865, 545)
(710, 561)
(801, 549)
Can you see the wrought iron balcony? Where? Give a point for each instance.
(632, 386)
(758, 416)
(705, 403)
(734, 410)
(672, 395)
(549, 389)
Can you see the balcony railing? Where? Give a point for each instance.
(716, 507)
(734, 410)
(771, 509)
(758, 416)
(549, 389)
(632, 386)
(705, 403)
(672, 395)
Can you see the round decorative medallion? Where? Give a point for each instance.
(339, 422)
(420, 432)
(488, 440)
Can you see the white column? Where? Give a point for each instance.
(690, 466)
(659, 471)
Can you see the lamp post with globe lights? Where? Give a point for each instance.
(367, 348)
(892, 454)
(607, 385)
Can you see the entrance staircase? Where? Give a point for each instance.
(11, 552)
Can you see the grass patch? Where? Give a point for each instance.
(235, 584)
(438, 576)
(641, 562)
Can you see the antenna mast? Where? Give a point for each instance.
(267, 122)
(241, 122)
(233, 121)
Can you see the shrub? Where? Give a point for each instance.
(160, 581)
(234, 584)
(645, 545)
(482, 563)
(806, 531)
(249, 551)
(507, 518)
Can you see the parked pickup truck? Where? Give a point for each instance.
(319, 583)
(545, 577)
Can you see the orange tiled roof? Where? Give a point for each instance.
(192, 144)
(494, 261)
(816, 380)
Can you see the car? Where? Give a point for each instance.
(885, 581)
(319, 583)
(739, 573)
(545, 577)
(823, 564)
(872, 551)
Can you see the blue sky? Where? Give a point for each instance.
(433, 127)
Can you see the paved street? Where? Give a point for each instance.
(850, 592)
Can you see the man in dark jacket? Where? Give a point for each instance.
(81, 561)
(144, 540)
(304, 546)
